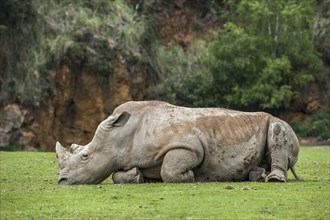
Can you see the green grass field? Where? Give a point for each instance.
(29, 190)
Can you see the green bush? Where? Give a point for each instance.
(23, 74)
(322, 29)
(183, 79)
(257, 61)
(38, 36)
(268, 53)
(318, 126)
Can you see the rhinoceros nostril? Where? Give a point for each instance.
(63, 181)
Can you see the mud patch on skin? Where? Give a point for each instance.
(285, 139)
(220, 158)
(251, 160)
(277, 129)
(277, 146)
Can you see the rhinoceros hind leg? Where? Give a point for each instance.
(131, 176)
(282, 150)
(257, 174)
(177, 166)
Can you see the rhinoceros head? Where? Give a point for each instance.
(93, 163)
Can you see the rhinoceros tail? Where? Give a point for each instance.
(295, 174)
(293, 151)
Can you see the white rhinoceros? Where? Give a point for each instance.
(156, 141)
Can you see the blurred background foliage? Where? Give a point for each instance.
(258, 60)
(38, 35)
(265, 51)
(317, 126)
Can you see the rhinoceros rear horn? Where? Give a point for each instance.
(61, 152)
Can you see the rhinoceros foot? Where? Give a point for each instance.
(257, 174)
(131, 176)
(276, 176)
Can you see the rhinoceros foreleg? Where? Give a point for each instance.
(282, 150)
(178, 164)
(131, 176)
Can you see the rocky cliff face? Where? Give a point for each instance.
(81, 101)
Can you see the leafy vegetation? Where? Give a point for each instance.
(23, 74)
(28, 184)
(264, 52)
(322, 29)
(322, 43)
(317, 126)
(183, 77)
(257, 60)
(40, 35)
(262, 56)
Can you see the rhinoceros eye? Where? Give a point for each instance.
(85, 156)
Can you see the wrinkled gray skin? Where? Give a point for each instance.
(155, 141)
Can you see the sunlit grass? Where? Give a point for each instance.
(29, 190)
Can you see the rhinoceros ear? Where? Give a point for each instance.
(120, 120)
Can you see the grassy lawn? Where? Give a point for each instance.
(29, 190)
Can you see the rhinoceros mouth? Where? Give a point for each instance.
(63, 181)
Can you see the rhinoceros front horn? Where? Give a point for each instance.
(61, 152)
